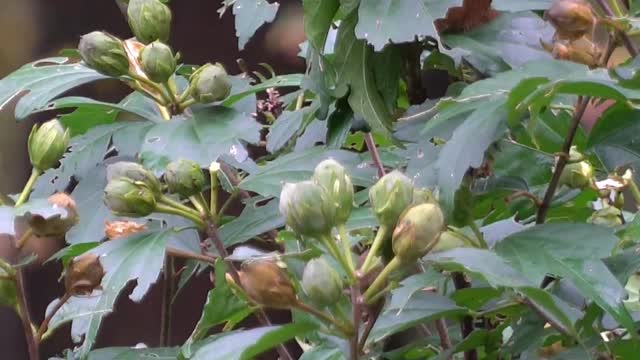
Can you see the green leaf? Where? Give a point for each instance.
(210, 133)
(509, 41)
(323, 352)
(573, 251)
(353, 60)
(466, 149)
(288, 80)
(43, 80)
(250, 16)
(253, 221)
(318, 17)
(421, 308)
(139, 257)
(247, 344)
(128, 353)
(520, 5)
(284, 129)
(222, 305)
(379, 20)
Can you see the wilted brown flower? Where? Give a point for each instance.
(84, 274)
(118, 229)
(267, 284)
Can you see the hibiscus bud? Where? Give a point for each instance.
(57, 225)
(609, 216)
(267, 284)
(209, 83)
(390, 196)
(47, 143)
(84, 274)
(337, 183)
(104, 53)
(321, 282)
(572, 19)
(125, 197)
(157, 62)
(135, 172)
(307, 209)
(150, 20)
(576, 175)
(417, 231)
(184, 177)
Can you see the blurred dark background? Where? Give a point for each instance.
(35, 29)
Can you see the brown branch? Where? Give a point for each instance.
(181, 254)
(32, 345)
(356, 303)
(626, 39)
(212, 233)
(443, 333)
(373, 318)
(167, 295)
(45, 323)
(526, 194)
(466, 326)
(375, 155)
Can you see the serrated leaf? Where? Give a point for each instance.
(378, 20)
(253, 221)
(288, 80)
(210, 133)
(250, 16)
(128, 353)
(42, 81)
(284, 129)
(318, 17)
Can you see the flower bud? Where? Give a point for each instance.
(125, 197)
(118, 229)
(47, 143)
(390, 196)
(184, 177)
(609, 216)
(321, 282)
(307, 209)
(448, 241)
(157, 62)
(576, 175)
(337, 183)
(104, 53)
(572, 19)
(150, 20)
(84, 274)
(56, 225)
(417, 231)
(267, 284)
(135, 172)
(209, 83)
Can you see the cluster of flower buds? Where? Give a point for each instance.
(578, 172)
(131, 190)
(47, 144)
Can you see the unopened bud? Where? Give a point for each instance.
(321, 282)
(150, 20)
(47, 143)
(134, 172)
(337, 183)
(56, 225)
(184, 177)
(572, 19)
(209, 83)
(125, 197)
(84, 274)
(448, 241)
(417, 231)
(118, 229)
(267, 284)
(104, 53)
(577, 175)
(390, 196)
(157, 62)
(306, 208)
(609, 216)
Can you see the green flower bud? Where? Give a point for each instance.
(448, 241)
(184, 177)
(210, 83)
(47, 143)
(609, 216)
(321, 282)
(390, 196)
(150, 20)
(104, 53)
(307, 209)
(337, 183)
(417, 231)
(157, 62)
(125, 197)
(135, 172)
(576, 175)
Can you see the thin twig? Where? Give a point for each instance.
(443, 333)
(541, 312)
(581, 107)
(45, 323)
(525, 194)
(628, 42)
(32, 345)
(373, 318)
(375, 155)
(466, 326)
(182, 254)
(356, 304)
(212, 233)
(167, 295)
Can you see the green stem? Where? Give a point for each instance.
(346, 246)
(616, 8)
(227, 203)
(170, 202)
(23, 239)
(24, 196)
(344, 329)
(375, 247)
(172, 95)
(213, 193)
(162, 208)
(331, 246)
(476, 231)
(635, 192)
(379, 283)
(153, 85)
(185, 104)
(200, 204)
(144, 91)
